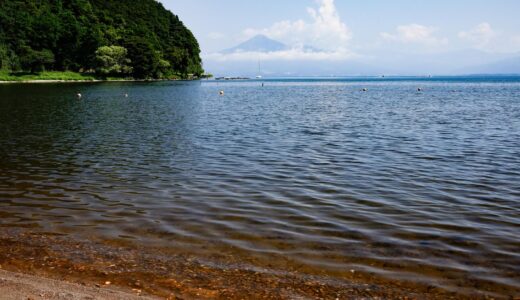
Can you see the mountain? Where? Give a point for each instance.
(259, 43)
(139, 37)
(444, 63)
(504, 66)
(278, 59)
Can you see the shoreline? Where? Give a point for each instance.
(90, 81)
(169, 274)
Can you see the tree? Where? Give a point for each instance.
(35, 61)
(145, 60)
(112, 60)
(4, 57)
(179, 60)
(65, 35)
(163, 68)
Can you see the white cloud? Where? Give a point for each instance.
(480, 36)
(415, 33)
(324, 29)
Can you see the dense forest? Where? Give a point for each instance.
(117, 38)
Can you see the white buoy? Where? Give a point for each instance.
(365, 90)
(126, 95)
(79, 95)
(221, 93)
(419, 90)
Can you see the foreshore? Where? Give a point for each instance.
(22, 286)
(111, 270)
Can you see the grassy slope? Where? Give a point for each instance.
(7, 76)
(56, 75)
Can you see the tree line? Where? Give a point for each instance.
(137, 38)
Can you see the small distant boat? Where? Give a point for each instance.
(259, 71)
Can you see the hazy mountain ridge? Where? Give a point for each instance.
(263, 44)
(368, 63)
(259, 43)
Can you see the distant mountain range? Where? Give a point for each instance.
(504, 66)
(259, 43)
(263, 44)
(369, 63)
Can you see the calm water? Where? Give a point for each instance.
(307, 175)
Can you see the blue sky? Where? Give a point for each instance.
(354, 30)
(221, 24)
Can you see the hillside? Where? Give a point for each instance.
(137, 38)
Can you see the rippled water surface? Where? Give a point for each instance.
(312, 175)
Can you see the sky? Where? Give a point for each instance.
(352, 29)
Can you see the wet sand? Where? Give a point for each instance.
(87, 266)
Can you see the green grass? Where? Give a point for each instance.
(66, 76)
(50, 75)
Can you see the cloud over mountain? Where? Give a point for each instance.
(321, 43)
(324, 29)
(322, 36)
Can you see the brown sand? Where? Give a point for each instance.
(168, 275)
(20, 286)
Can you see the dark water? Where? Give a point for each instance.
(308, 175)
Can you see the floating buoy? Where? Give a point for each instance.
(126, 95)
(419, 90)
(221, 93)
(365, 90)
(79, 95)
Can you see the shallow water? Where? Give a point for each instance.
(313, 176)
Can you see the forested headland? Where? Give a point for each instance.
(98, 38)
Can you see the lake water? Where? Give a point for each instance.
(315, 176)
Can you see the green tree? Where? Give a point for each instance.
(4, 57)
(145, 60)
(65, 35)
(179, 59)
(163, 69)
(35, 61)
(112, 60)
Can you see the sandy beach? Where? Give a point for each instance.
(21, 286)
(81, 269)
